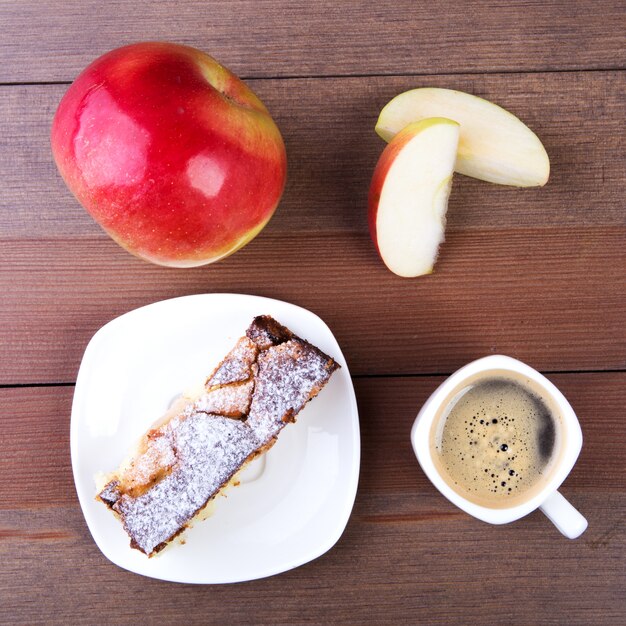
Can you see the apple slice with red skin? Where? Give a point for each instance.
(409, 194)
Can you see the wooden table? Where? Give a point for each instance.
(538, 274)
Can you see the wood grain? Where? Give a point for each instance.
(439, 570)
(404, 556)
(328, 126)
(36, 440)
(552, 297)
(44, 41)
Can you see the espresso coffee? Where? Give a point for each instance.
(496, 441)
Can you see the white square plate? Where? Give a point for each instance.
(291, 506)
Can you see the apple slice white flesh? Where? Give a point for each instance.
(409, 195)
(494, 144)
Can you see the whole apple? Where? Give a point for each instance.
(172, 154)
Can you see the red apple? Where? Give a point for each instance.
(172, 154)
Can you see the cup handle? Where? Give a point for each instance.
(564, 516)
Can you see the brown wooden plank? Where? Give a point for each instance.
(436, 569)
(553, 297)
(43, 41)
(407, 554)
(36, 439)
(328, 127)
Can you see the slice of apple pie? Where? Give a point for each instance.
(182, 463)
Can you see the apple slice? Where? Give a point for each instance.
(409, 195)
(494, 145)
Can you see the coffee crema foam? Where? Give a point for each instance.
(496, 441)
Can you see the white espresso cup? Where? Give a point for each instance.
(562, 514)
